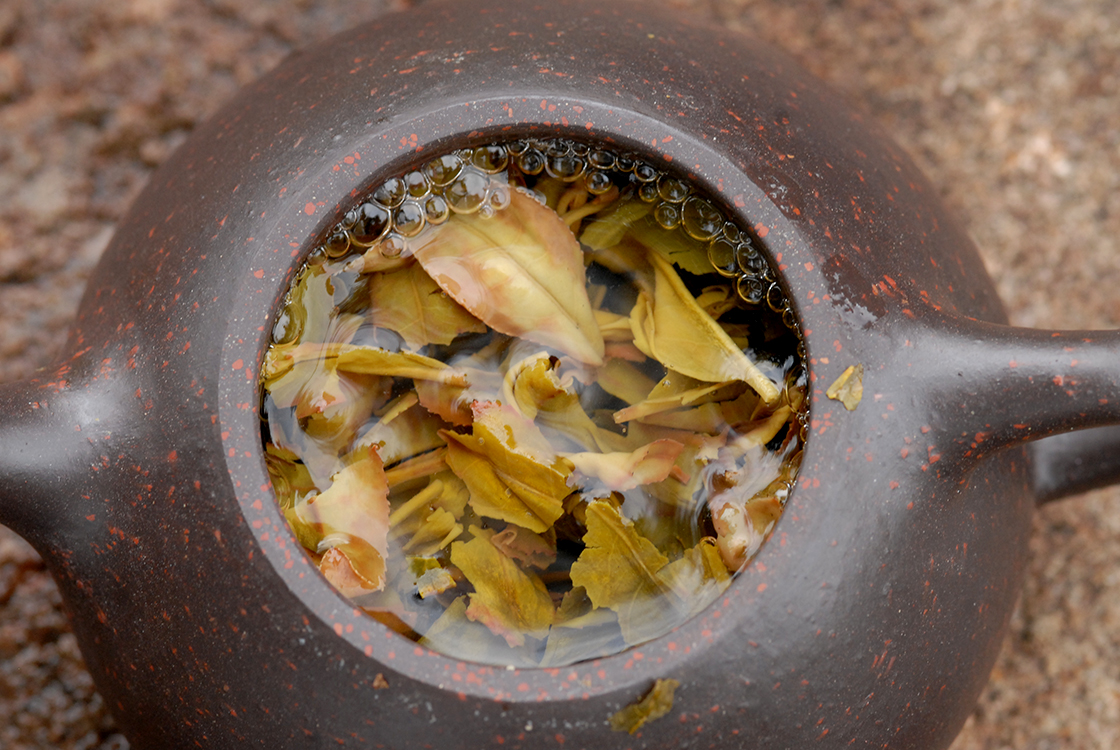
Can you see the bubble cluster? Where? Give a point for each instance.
(479, 180)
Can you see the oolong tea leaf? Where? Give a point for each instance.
(520, 272)
(619, 570)
(510, 602)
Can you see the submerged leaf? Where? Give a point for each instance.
(656, 703)
(352, 516)
(521, 272)
(409, 302)
(510, 602)
(670, 327)
(619, 571)
(457, 636)
(625, 471)
(509, 468)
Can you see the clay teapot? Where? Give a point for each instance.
(873, 614)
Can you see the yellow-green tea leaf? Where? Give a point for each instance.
(508, 601)
(409, 302)
(526, 547)
(619, 570)
(698, 577)
(520, 271)
(454, 635)
(848, 388)
(509, 468)
(670, 327)
(656, 703)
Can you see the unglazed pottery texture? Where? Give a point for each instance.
(1038, 159)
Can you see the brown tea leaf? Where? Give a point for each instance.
(848, 388)
(508, 601)
(656, 703)
(521, 272)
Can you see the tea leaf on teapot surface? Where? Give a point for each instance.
(520, 272)
(848, 388)
(656, 703)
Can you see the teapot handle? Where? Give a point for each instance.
(1005, 386)
(44, 454)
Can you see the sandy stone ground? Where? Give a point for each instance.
(1011, 106)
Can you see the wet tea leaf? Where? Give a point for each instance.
(671, 328)
(509, 468)
(457, 636)
(409, 302)
(352, 516)
(525, 547)
(625, 471)
(848, 388)
(698, 577)
(619, 570)
(511, 603)
(520, 272)
(656, 703)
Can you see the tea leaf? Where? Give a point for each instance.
(408, 434)
(848, 388)
(525, 547)
(509, 469)
(609, 228)
(520, 272)
(625, 471)
(656, 703)
(352, 516)
(619, 571)
(698, 577)
(670, 327)
(409, 302)
(508, 601)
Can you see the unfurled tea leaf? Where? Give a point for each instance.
(581, 632)
(619, 571)
(409, 302)
(671, 328)
(716, 300)
(656, 703)
(508, 601)
(520, 272)
(509, 468)
(848, 388)
(352, 516)
(625, 471)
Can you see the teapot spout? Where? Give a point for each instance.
(46, 450)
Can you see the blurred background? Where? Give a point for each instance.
(1012, 108)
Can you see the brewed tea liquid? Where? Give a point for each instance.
(533, 403)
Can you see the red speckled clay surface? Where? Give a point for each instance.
(1006, 105)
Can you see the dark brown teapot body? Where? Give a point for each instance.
(870, 618)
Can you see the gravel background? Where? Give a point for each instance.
(1011, 106)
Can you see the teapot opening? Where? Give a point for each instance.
(534, 402)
